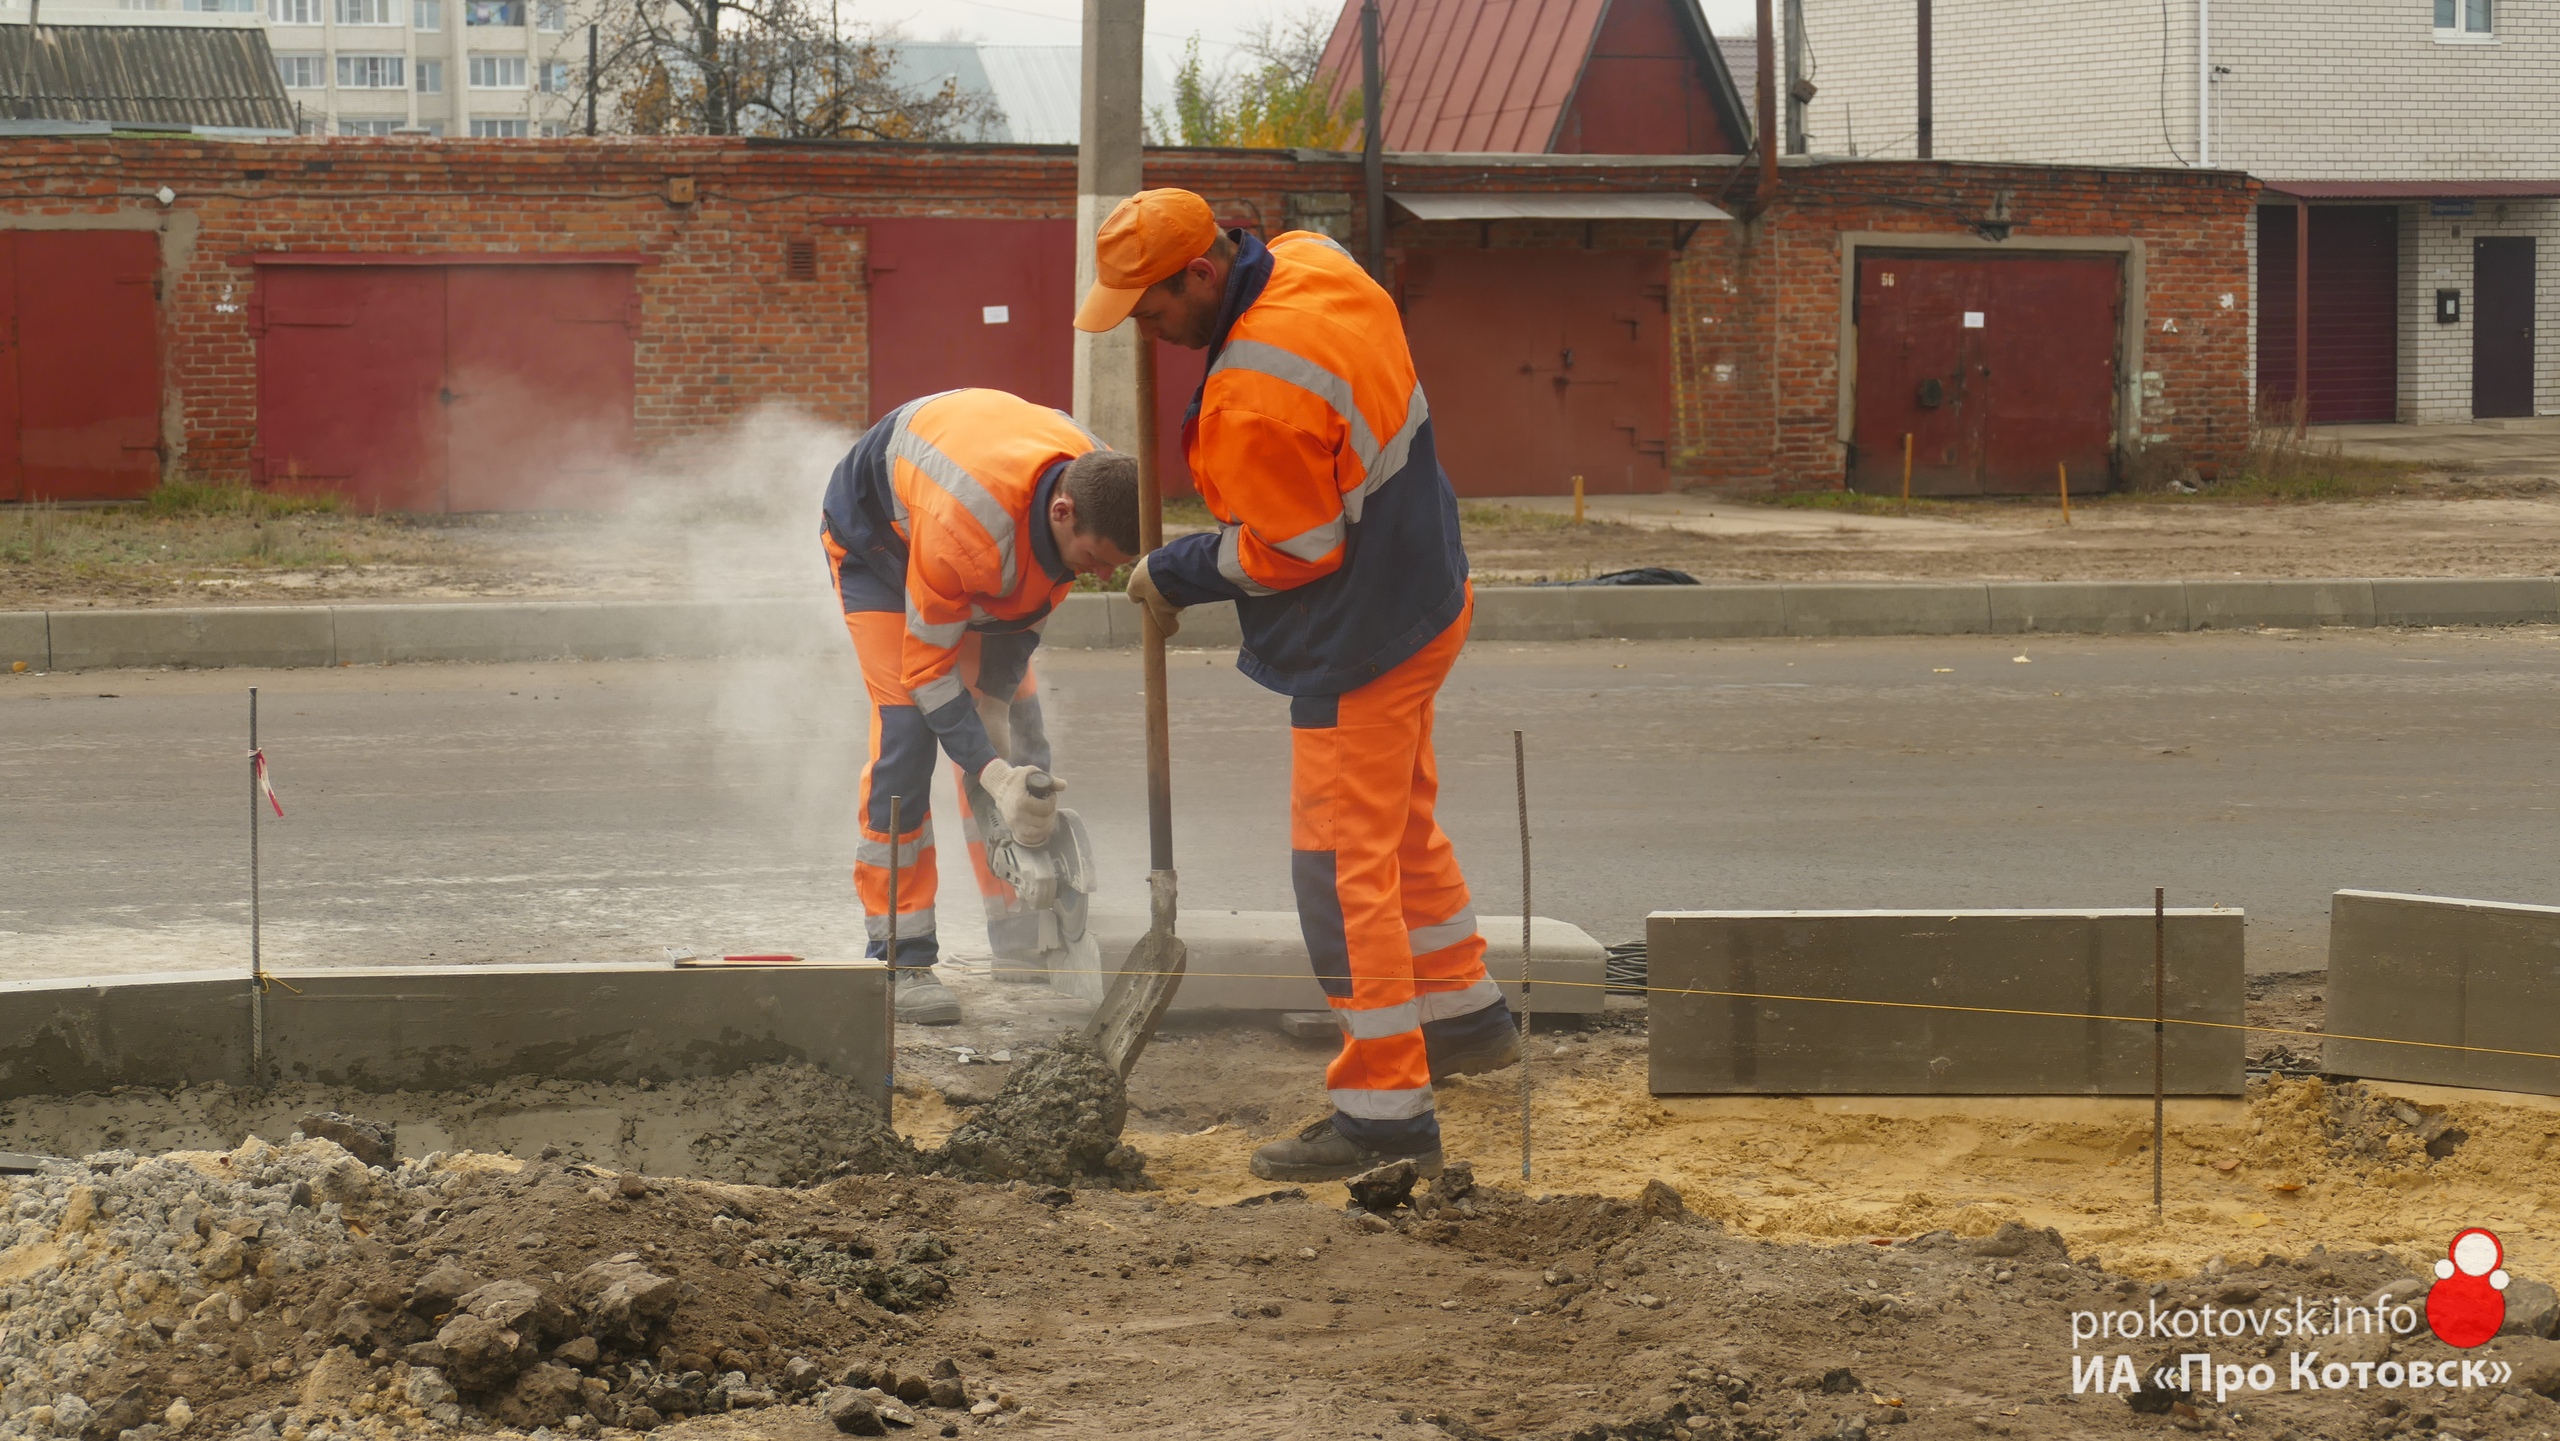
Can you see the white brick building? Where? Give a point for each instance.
(2424, 135)
(488, 68)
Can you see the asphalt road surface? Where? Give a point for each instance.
(610, 811)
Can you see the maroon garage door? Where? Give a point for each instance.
(1542, 365)
(2000, 368)
(446, 387)
(992, 303)
(79, 364)
(2355, 312)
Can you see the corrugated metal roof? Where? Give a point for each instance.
(1483, 75)
(1038, 88)
(1676, 205)
(149, 75)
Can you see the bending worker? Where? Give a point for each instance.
(953, 528)
(1338, 542)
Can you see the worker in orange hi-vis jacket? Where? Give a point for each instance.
(953, 529)
(1338, 542)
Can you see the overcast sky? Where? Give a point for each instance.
(1169, 22)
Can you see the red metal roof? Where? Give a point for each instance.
(1502, 75)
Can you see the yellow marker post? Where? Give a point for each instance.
(2063, 473)
(1906, 471)
(1577, 500)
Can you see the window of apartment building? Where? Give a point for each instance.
(498, 129)
(432, 127)
(493, 12)
(552, 77)
(372, 72)
(368, 127)
(553, 130)
(2462, 19)
(430, 77)
(366, 12)
(301, 72)
(551, 15)
(220, 7)
(137, 4)
(497, 72)
(294, 12)
(427, 14)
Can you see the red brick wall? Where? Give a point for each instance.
(723, 329)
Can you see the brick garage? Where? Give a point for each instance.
(1756, 371)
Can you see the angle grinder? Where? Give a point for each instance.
(1042, 933)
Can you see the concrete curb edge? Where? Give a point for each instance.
(286, 636)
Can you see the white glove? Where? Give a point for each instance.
(1142, 589)
(1030, 817)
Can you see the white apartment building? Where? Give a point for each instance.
(2420, 138)
(486, 69)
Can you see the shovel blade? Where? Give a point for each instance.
(1139, 995)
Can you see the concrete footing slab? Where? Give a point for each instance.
(2426, 975)
(1257, 961)
(1951, 986)
(444, 1027)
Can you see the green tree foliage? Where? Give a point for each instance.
(1272, 96)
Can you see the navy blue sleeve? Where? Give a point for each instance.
(1185, 568)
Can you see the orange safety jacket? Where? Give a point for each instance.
(942, 509)
(1312, 446)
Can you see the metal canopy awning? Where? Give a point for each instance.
(2415, 189)
(1677, 206)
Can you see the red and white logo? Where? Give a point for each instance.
(2468, 1302)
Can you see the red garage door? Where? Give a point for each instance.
(1541, 365)
(79, 364)
(992, 303)
(447, 387)
(1998, 367)
(2355, 311)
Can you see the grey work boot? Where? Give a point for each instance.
(923, 1000)
(1321, 1153)
(1491, 1050)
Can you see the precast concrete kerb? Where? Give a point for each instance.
(325, 635)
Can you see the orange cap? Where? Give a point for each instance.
(1149, 236)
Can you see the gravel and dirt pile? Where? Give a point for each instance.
(295, 1293)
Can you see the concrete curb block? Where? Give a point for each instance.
(443, 1027)
(1933, 969)
(615, 630)
(2443, 973)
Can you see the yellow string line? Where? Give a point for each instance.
(1931, 1006)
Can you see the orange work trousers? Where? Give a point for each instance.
(903, 748)
(1384, 908)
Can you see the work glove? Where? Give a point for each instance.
(997, 716)
(1025, 797)
(1168, 616)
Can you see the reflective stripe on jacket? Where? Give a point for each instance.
(943, 505)
(1312, 446)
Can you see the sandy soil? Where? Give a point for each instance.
(2436, 528)
(1808, 1272)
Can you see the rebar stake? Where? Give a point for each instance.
(257, 960)
(889, 1103)
(1520, 779)
(2159, 1037)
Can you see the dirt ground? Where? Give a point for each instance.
(2440, 526)
(1815, 1268)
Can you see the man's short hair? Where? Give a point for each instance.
(1104, 486)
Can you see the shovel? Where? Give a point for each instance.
(1127, 1019)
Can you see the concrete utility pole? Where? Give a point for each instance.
(1110, 165)
(1794, 23)
(1928, 100)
